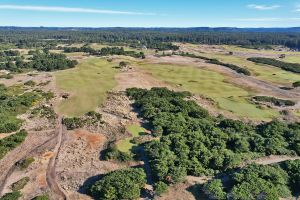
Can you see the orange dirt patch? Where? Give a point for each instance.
(41, 181)
(48, 155)
(93, 140)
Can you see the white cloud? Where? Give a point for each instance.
(70, 10)
(267, 19)
(263, 7)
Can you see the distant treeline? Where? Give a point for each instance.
(292, 67)
(152, 38)
(106, 51)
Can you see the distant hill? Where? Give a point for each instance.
(162, 29)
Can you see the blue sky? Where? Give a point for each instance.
(150, 13)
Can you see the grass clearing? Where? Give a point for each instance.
(212, 84)
(126, 145)
(87, 84)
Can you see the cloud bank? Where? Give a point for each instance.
(263, 7)
(69, 10)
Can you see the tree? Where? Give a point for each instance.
(120, 184)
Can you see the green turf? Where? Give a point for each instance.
(87, 84)
(212, 84)
(126, 145)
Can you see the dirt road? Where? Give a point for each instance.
(51, 170)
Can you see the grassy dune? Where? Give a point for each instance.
(87, 84)
(212, 84)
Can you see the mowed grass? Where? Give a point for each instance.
(87, 84)
(262, 72)
(211, 84)
(126, 145)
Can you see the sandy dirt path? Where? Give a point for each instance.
(51, 170)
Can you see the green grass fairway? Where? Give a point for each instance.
(262, 72)
(87, 84)
(212, 84)
(126, 145)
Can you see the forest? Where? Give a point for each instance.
(152, 38)
(194, 143)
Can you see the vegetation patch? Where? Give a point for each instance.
(257, 182)
(194, 143)
(274, 101)
(89, 119)
(12, 196)
(296, 84)
(120, 184)
(9, 143)
(24, 164)
(20, 184)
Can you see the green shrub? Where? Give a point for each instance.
(20, 184)
(41, 197)
(11, 196)
(160, 188)
(73, 123)
(113, 153)
(214, 190)
(296, 84)
(120, 184)
(24, 164)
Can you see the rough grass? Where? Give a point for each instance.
(126, 145)
(212, 84)
(292, 59)
(87, 84)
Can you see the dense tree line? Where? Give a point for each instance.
(274, 101)
(194, 143)
(292, 67)
(48, 37)
(106, 51)
(257, 182)
(120, 184)
(40, 62)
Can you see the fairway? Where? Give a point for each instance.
(87, 84)
(126, 144)
(262, 72)
(211, 84)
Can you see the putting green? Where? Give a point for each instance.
(126, 145)
(87, 84)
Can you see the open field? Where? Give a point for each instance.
(126, 145)
(211, 84)
(87, 84)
